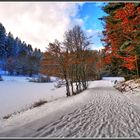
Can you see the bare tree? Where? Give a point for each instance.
(69, 60)
(77, 44)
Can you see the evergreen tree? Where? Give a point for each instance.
(17, 46)
(121, 37)
(10, 45)
(2, 42)
(16, 56)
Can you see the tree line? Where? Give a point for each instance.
(16, 56)
(121, 39)
(72, 60)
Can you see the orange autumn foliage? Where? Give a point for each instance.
(122, 26)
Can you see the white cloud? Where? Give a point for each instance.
(94, 47)
(96, 34)
(38, 23)
(77, 21)
(86, 18)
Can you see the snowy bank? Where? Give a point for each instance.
(53, 109)
(96, 112)
(114, 78)
(16, 93)
(131, 89)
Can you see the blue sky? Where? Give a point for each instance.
(90, 12)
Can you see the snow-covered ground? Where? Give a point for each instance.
(16, 93)
(2, 72)
(100, 111)
(119, 79)
(101, 83)
(131, 89)
(57, 107)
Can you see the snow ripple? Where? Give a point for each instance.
(107, 114)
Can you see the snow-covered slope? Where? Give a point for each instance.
(100, 111)
(131, 89)
(16, 93)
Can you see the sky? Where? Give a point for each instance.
(38, 23)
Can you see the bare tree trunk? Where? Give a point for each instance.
(77, 79)
(137, 69)
(77, 89)
(72, 88)
(67, 85)
(84, 79)
(67, 88)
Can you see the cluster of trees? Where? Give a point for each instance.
(16, 56)
(71, 60)
(121, 39)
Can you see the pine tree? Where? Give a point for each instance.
(2, 42)
(121, 37)
(10, 45)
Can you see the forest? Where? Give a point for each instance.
(121, 37)
(73, 59)
(17, 57)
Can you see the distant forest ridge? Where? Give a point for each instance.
(16, 56)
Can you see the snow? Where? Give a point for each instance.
(9, 78)
(16, 93)
(132, 90)
(56, 107)
(100, 111)
(22, 78)
(101, 83)
(2, 72)
(114, 78)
